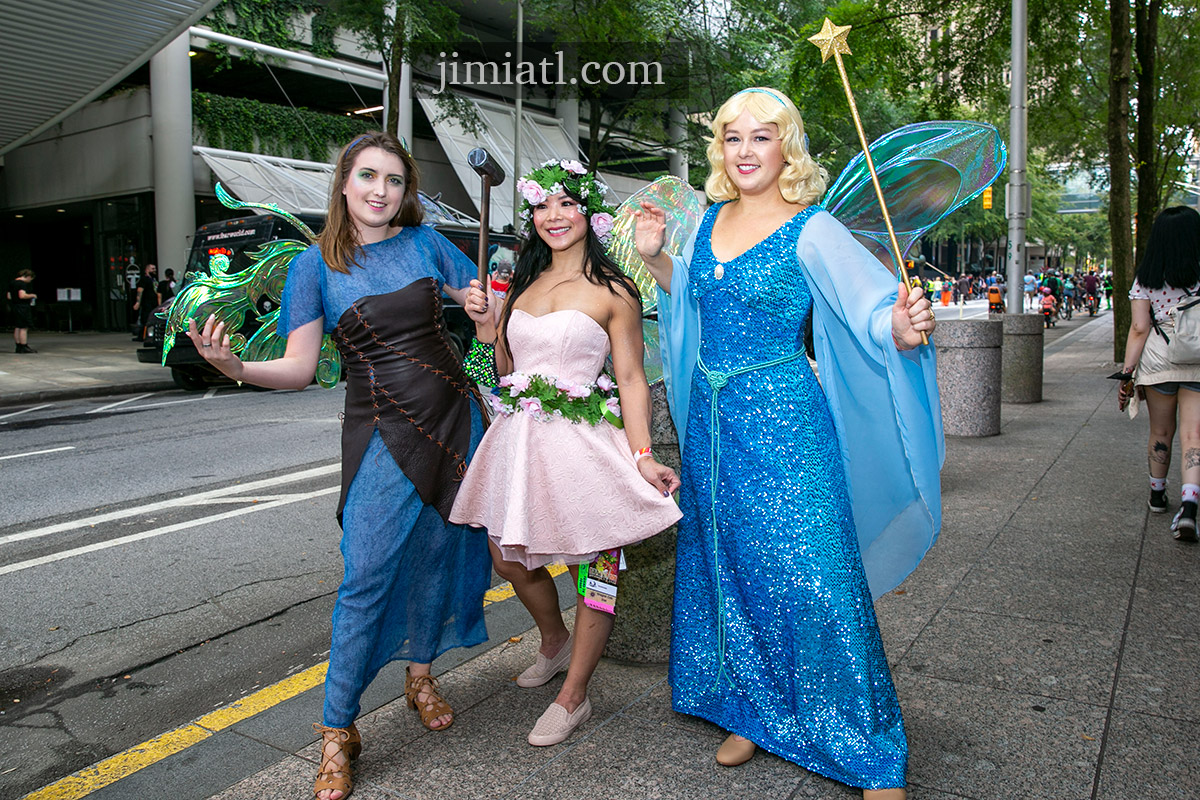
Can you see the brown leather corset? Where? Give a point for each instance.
(404, 378)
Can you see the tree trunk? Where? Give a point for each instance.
(595, 113)
(1118, 170)
(1145, 46)
(394, 62)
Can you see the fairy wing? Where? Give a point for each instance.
(926, 171)
(678, 201)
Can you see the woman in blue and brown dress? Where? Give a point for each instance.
(414, 584)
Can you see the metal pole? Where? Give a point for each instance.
(517, 173)
(1016, 195)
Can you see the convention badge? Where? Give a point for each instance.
(598, 582)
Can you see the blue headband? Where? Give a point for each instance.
(762, 91)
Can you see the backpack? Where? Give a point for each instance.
(1184, 348)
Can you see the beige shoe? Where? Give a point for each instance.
(556, 724)
(735, 751)
(546, 668)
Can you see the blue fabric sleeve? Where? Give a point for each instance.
(884, 403)
(302, 300)
(679, 338)
(452, 264)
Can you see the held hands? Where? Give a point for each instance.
(912, 315)
(212, 344)
(650, 230)
(658, 475)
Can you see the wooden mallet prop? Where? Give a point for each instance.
(492, 174)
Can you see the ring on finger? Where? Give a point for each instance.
(206, 344)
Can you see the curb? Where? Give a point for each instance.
(18, 398)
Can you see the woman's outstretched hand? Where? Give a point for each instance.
(912, 315)
(213, 344)
(660, 476)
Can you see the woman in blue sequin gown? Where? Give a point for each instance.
(414, 584)
(775, 637)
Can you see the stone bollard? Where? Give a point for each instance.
(1021, 380)
(646, 589)
(968, 374)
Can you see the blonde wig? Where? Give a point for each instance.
(802, 180)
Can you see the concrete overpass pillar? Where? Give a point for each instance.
(171, 131)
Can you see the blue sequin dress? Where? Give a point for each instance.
(775, 636)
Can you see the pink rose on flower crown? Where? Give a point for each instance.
(530, 405)
(579, 391)
(602, 224)
(614, 406)
(605, 383)
(517, 383)
(573, 166)
(532, 192)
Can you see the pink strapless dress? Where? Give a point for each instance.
(552, 490)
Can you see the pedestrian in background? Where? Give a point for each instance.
(166, 287)
(1169, 274)
(146, 301)
(21, 301)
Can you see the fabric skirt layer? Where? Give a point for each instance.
(413, 585)
(554, 491)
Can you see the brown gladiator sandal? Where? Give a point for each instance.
(335, 773)
(431, 709)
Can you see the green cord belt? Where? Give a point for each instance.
(717, 381)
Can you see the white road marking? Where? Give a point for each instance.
(119, 403)
(175, 502)
(38, 452)
(210, 393)
(24, 410)
(150, 534)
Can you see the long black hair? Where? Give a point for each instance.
(598, 268)
(1173, 253)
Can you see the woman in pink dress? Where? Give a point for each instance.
(556, 479)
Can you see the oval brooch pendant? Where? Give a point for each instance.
(719, 272)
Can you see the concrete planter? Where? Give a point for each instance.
(969, 376)
(1021, 380)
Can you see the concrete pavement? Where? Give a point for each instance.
(1045, 648)
(76, 365)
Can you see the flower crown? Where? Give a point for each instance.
(570, 176)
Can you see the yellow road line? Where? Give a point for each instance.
(140, 756)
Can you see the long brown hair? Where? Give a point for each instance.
(338, 241)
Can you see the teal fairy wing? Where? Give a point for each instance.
(926, 171)
(678, 201)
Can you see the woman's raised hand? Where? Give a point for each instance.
(650, 230)
(212, 343)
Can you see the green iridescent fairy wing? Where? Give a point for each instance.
(230, 297)
(678, 201)
(926, 171)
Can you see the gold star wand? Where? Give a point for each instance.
(832, 42)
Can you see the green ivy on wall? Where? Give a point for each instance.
(272, 22)
(236, 123)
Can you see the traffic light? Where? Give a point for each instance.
(987, 198)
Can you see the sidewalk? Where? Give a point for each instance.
(1046, 648)
(69, 365)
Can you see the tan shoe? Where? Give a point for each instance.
(556, 723)
(546, 668)
(735, 751)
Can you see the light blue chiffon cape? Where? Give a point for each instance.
(884, 401)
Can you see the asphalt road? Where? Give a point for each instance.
(160, 555)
